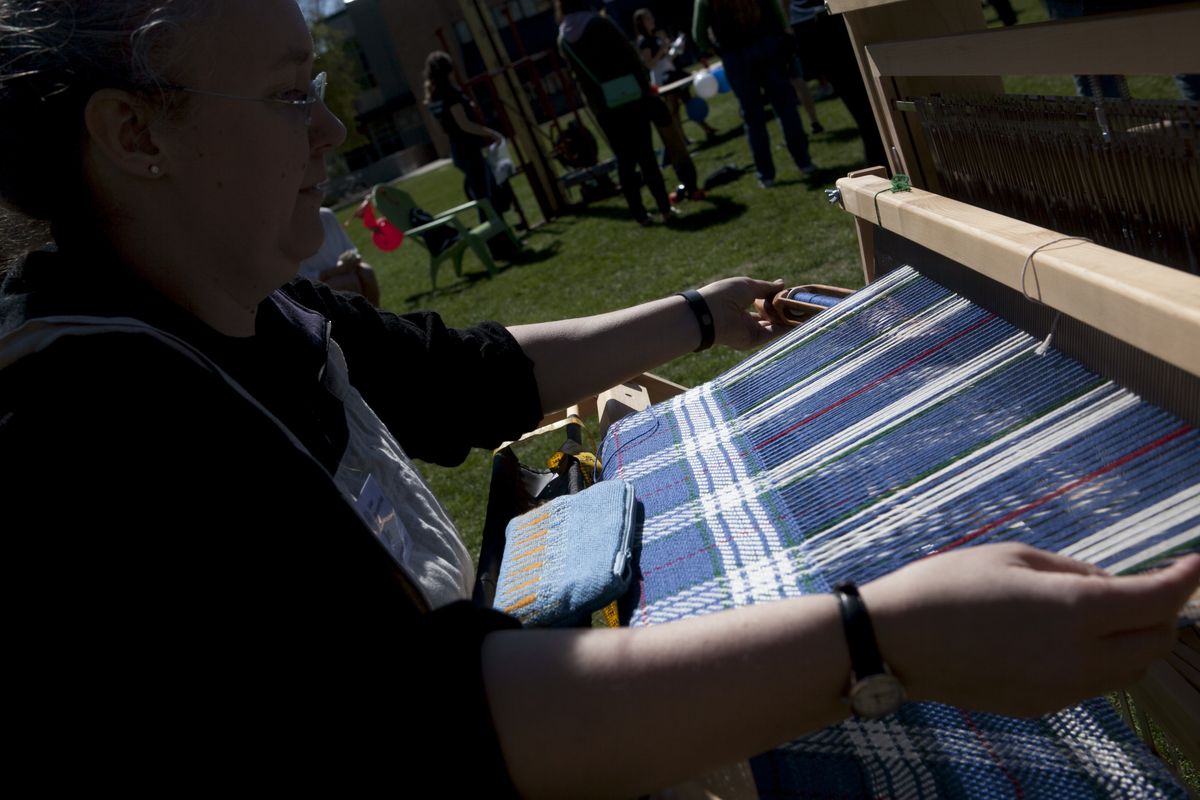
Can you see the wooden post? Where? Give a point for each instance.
(866, 228)
(495, 59)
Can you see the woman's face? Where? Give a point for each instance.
(245, 174)
(648, 23)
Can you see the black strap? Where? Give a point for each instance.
(865, 659)
(708, 331)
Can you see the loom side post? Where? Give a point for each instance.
(869, 22)
(866, 231)
(1173, 703)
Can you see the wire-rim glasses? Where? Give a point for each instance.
(316, 93)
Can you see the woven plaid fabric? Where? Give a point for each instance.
(903, 422)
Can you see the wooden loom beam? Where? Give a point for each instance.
(1105, 44)
(1152, 307)
(635, 394)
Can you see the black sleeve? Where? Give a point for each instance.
(439, 390)
(456, 632)
(187, 596)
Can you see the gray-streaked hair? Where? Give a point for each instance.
(54, 54)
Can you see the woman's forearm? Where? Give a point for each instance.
(999, 628)
(577, 358)
(617, 713)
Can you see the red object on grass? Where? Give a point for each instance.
(386, 236)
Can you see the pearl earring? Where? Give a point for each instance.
(155, 170)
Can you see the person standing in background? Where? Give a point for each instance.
(799, 13)
(603, 61)
(823, 46)
(460, 120)
(654, 46)
(750, 36)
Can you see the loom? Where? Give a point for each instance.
(1000, 378)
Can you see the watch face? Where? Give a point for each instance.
(876, 696)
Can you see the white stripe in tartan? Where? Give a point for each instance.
(893, 415)
(708, 509)
(739, 526)
(715, 594)
(1012, 452)
(781, 405)
(1124, 532)
(892, 762)
(1160, 548)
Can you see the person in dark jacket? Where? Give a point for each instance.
(220, 562)
(599, 54)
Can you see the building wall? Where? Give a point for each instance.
(394, 38)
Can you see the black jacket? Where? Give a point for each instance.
(188, 594)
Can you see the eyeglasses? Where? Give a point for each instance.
(315, 94)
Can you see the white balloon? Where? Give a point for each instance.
(705, 84)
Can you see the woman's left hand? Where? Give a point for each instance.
(731, 301)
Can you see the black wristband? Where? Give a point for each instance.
(865, 659)
(699, 307)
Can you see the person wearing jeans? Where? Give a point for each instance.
(598, 52)
(750, 36)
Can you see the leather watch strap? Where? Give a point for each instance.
(865, 659)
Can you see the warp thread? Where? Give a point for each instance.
(1045, 345)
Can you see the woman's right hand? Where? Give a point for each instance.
(1014, 630)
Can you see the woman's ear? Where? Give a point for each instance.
(119, 126)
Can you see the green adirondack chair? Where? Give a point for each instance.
(397, 206)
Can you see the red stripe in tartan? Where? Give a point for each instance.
(620, 455)
(912, 361)
(1060, 491)
(1020, 793)
(642, 600)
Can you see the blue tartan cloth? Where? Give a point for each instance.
(903, 422)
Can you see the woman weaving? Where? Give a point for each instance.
(196, 593)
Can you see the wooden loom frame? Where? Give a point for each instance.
(945, 48)
(909, 48)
